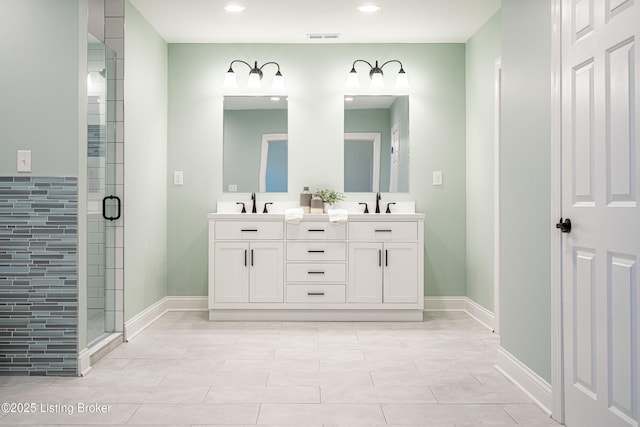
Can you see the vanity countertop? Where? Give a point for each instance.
(317, 217)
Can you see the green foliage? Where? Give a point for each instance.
(329, 196)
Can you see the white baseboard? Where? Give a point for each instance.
(187, 304)
(528, 381)
(465, 304)
(140, 321)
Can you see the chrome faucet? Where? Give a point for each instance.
(253, 200)
(378, 202)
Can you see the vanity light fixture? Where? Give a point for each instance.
(255, 76)
(376, 75)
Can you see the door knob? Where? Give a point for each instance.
(565, 226)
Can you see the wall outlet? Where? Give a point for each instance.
(437, 177)
(24, 160)
(178, 178)
(233, 188)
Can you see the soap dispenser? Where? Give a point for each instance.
(317, 205)
(305, 200)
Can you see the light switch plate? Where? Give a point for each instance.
(437, 177)
(233, 188)
(24, 160)
(178, 178)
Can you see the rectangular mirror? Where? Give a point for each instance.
(376, 143)
(255, 141)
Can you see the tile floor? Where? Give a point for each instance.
(187, 371)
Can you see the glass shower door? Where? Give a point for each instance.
(102, 207)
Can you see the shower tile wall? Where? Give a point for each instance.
(38, 276)
(114, 39)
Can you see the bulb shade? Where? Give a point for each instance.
(402, 81)
(230, 79)
(254, 81)
(352, 81)
(278, 82)
(377, 81)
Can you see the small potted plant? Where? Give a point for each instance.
(329, 197)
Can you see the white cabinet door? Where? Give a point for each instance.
(365, 273)
(266, 261)
(400, 273)
(231, 275)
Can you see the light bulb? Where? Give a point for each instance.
(230, 79)
(352, 80)
(402, 81)
(377, 81)
(278, 82)
(254, 81)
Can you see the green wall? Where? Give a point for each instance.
(315, 76)
(243, 130)
(145, 175)
(525, 188)
(482, 51)
(43, 47)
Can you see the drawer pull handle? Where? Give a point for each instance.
(386, 258)
(320, 230)
(311, 294)
(251, 257)
(379, 257)
(245, 257)
(315, 272)
(255, 230)
(315, 252)
(383, 231)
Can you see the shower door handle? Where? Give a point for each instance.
(104, 208)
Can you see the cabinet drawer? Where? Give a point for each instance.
(316, 251)
(308, 272)
(317, 230)
(383, 231)
(316, 293)
(248, 230)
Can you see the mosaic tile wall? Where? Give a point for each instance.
(38, 276)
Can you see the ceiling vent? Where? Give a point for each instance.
(323, 36)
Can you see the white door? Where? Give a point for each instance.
(365, 273)
(267, 272)
(600, 192)
(231, 272)
(400, 273)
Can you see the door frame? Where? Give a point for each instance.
(375, 139)
(497, 107)
(557, 352)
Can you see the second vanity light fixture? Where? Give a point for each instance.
(376, 75)
(255, 76)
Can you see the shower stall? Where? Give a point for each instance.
(104, 299)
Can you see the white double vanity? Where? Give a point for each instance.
(263, 267)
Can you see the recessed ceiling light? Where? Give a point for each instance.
(348, 98)
(275, 98)
(235, 8)
(369, 8)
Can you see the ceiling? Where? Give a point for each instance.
(291, 21)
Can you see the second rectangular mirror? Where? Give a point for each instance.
(255, 144)
(376, 143)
